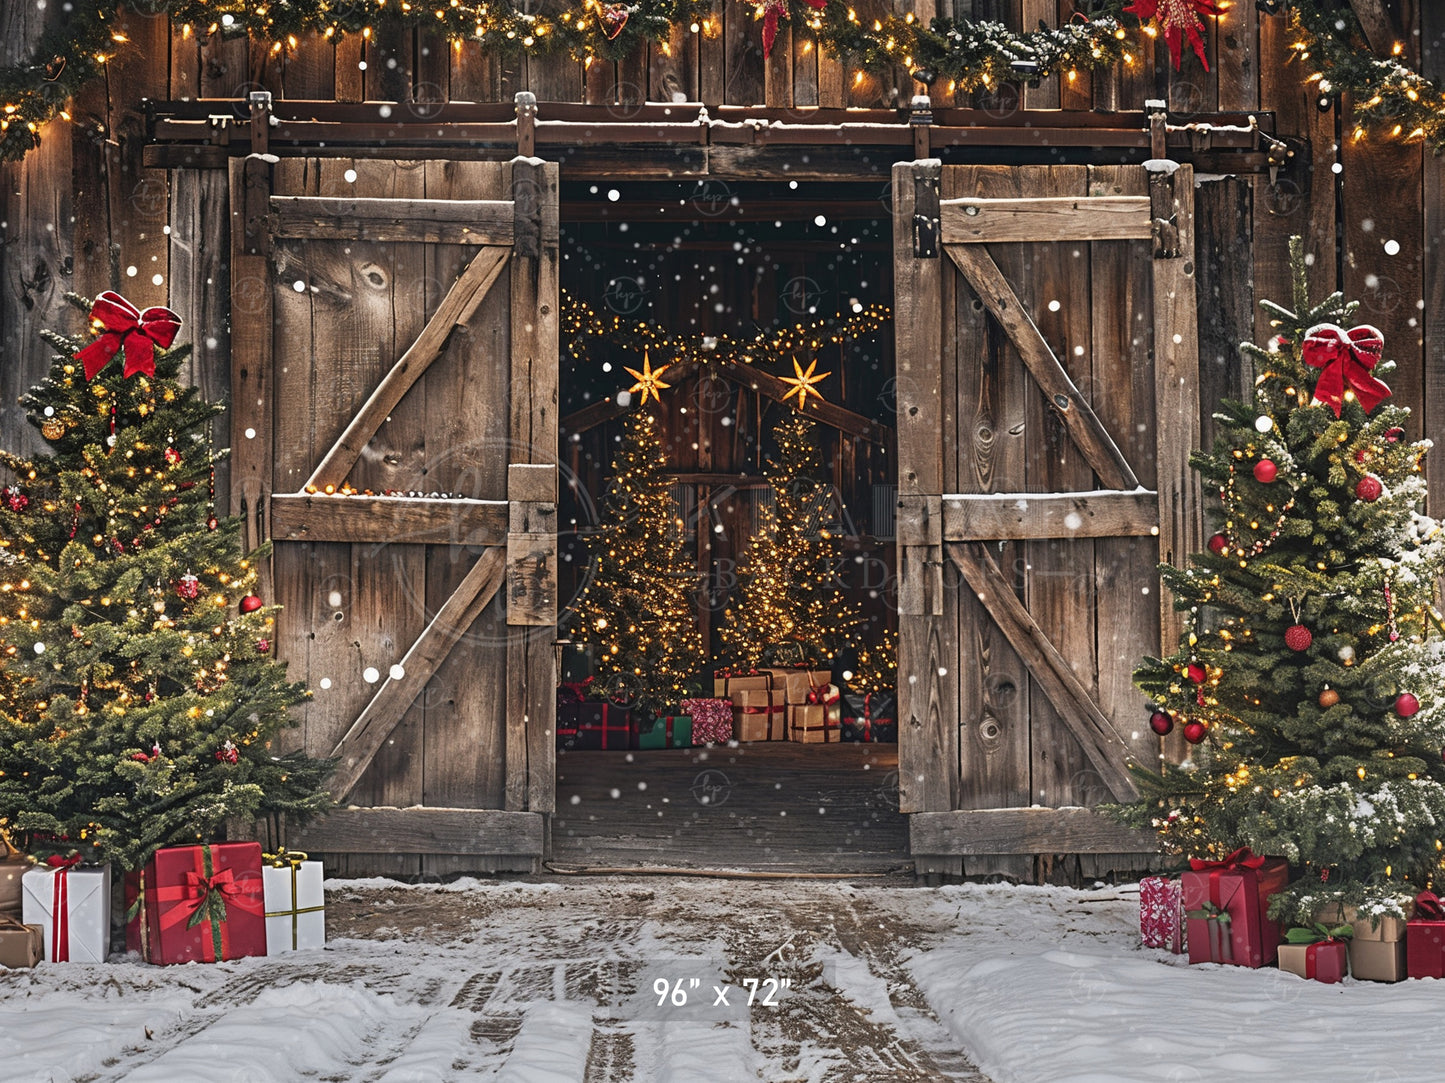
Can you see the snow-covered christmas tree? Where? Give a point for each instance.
(1309, 675)
(139, 702)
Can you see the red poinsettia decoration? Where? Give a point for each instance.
(1178, 19)
(773, 10)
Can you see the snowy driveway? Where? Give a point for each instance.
(558, 980)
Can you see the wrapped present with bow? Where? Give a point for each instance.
(798, 684)
(870, 717)
(71, 904)
(20, 945)
(712, 720)
(759, 716)
(726, 682)
(597, 725)
(1224, 906)
(1377, 948)
(198, 904)
(1316, 951)
(1425, 938)
(1161, 913)
(295, 902)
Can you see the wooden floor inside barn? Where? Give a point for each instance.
(768, 807)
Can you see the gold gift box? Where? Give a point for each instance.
(797, 683)
(758, 715)
(20, 945)
(1384, 928)
(814, 723)
(1377, 960)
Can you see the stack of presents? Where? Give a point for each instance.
(1217, 913)
(187, 904)
(775, 704)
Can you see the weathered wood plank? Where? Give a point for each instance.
(252, 391)
(1094, 732)
(1023, 831)
(461, 301)
(1076, 413)
(388, 519)
(422, 831)
(1046, 218)
(532, 579)
(1100, 514)
(460, 221)
(356, 749)
(1176, 381)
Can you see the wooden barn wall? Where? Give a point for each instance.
(82, 213)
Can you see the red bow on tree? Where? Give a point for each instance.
(1243, 858)
(1178, 19)
(127, 327)
(1346, 358)
(772, 11)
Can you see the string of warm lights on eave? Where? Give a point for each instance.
(955, 55)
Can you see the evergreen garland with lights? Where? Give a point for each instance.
(1310, 675)
(139, 702)
(787, 592)
(637, 611)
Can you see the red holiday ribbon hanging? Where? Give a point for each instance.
(60, 906)
(127, 327)
(1346, 358)
(1428, 907)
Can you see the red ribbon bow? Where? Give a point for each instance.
(1428, 907)
(1243, 858)
(1346, 358)
(128, 328)
(55, 861)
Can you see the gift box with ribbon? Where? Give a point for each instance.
(295, 902)
(1225, 903)
(1317, 952)
(1161, 913)
(20, 944)
(1425, 938)
(759, 716)
(599, 726)
(197, 904)
(869, 717)
(726, 682)
(665, 731)
(814, 723)
(12, 866)
(71, 903)
(798, 683)
(712, 720)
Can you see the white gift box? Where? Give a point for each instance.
(78, 899)
(295, 906)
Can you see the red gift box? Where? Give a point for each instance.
(1161, 913)
(1225, 903)
(1324, 960)
(1425, 938)
(197, 904)
(712, 720)
(599, 725)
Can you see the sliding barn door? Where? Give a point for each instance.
(1047, 408)
(394, 427)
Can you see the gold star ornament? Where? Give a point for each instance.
(649, 380)
(803, 383)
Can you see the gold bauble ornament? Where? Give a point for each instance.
(1328, 698)
(52, 428)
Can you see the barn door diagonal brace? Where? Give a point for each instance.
(455, 310)
(1084, 426)
(1089, 725)
(355, 751)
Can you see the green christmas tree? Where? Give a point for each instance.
(788, 595)
(637, 612)
(139, 703)
(1309, 674)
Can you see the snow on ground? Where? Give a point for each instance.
(557, 981)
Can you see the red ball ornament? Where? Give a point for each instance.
(264, 646)
(1161, 722)
(1195, 672)
(1394, 435)
(1406, 704)
(250, 603)
(1194, 732)
(15, 500)
(172, 456)
(189, 587)
(1218, 544)
(212, 522)
(1369, 488)
(1298, 638)
(228, 753)
(1265, 471)
(1362, 455)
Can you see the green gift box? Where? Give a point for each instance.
(668, 731)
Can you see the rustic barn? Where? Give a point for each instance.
(374, 240)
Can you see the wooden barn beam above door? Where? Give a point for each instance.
(1019, 516)
(388, 520)
(1076, 708)
(1053, 218)
(444, 221)
(770, 386)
